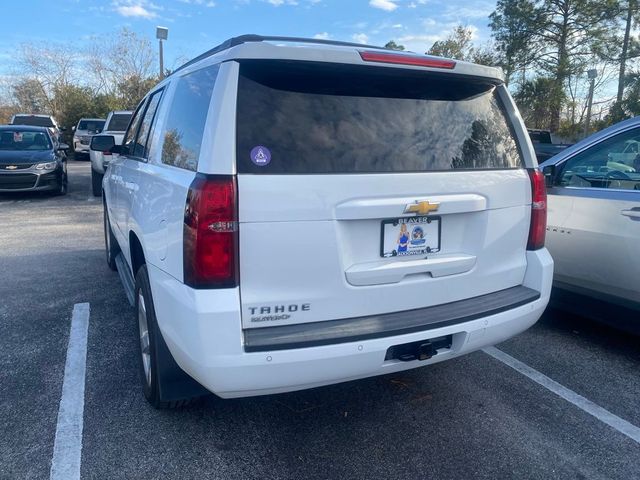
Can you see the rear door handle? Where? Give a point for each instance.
(632, 213)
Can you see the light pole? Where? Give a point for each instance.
(161, 34)
(592, 74)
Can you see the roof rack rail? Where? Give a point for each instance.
(249, 38)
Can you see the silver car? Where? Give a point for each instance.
(593, 230)
(82, 133)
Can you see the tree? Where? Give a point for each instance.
(513, 25)
(630, 104)
(568, 33)
(124, 67)
(561, 37)
(393, 45)
(536, 99)
(30, 96)
(45, 69)
(457, 45)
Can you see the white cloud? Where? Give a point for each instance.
(387, 5)
(322, 36)
(136, 8)
(397, 25)
(277, 3)
(203, 3)
(471, 10)
(360, 37)
(135, 11)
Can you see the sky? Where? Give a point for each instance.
(198, 25)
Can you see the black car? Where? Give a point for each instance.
(30, 160)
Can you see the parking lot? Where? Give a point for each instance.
(569, 408)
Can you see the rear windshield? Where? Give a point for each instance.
(540, 136)
(300, 117)
(12, 140)
(119, 122)
(33, 121)
(91, 125)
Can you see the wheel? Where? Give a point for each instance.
(96, 183)
(153, 367)
(64, 185)
(110, 243)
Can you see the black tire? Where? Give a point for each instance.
(64, 185)
(150, 343)
(96, 183)
(110, 243)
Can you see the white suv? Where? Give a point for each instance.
(290, 213)
(114, 127)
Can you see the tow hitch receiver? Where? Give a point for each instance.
(421, 350)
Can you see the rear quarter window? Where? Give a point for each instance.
(181, 134)
(333, 118)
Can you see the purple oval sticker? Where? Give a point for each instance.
(260, 156)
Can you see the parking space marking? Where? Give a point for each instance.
(576, 399)
(67, 448)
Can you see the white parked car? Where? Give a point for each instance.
(82, 133)
(290, 213)
(115, 126)
(594, 225)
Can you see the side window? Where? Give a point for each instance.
(613, 163)
(130, 134)
(181, 134)
(140, 148)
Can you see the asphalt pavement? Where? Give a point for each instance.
(471, 417)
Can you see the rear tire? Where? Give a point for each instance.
(96, 183)
(110, 243)
(150, 340)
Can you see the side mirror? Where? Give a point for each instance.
(63, 146)
(549, 173)
(103, 143)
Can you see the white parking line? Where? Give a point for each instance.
(570, 396)
(67, 448)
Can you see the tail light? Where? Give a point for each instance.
(538, 227)
(211, 233)
(404, 59)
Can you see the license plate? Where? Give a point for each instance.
(410, 236)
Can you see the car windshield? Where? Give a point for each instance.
(91, 125)
(119, 122)
(19, 140)
(33, 120)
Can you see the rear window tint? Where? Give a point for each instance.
(33, 121)
(300, 117)
(119, 122)
(91, 125)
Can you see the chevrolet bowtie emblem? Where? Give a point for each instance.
(11, 167)
(422, 208)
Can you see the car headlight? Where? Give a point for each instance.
(46, 166)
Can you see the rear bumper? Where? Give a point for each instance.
(203, 332)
